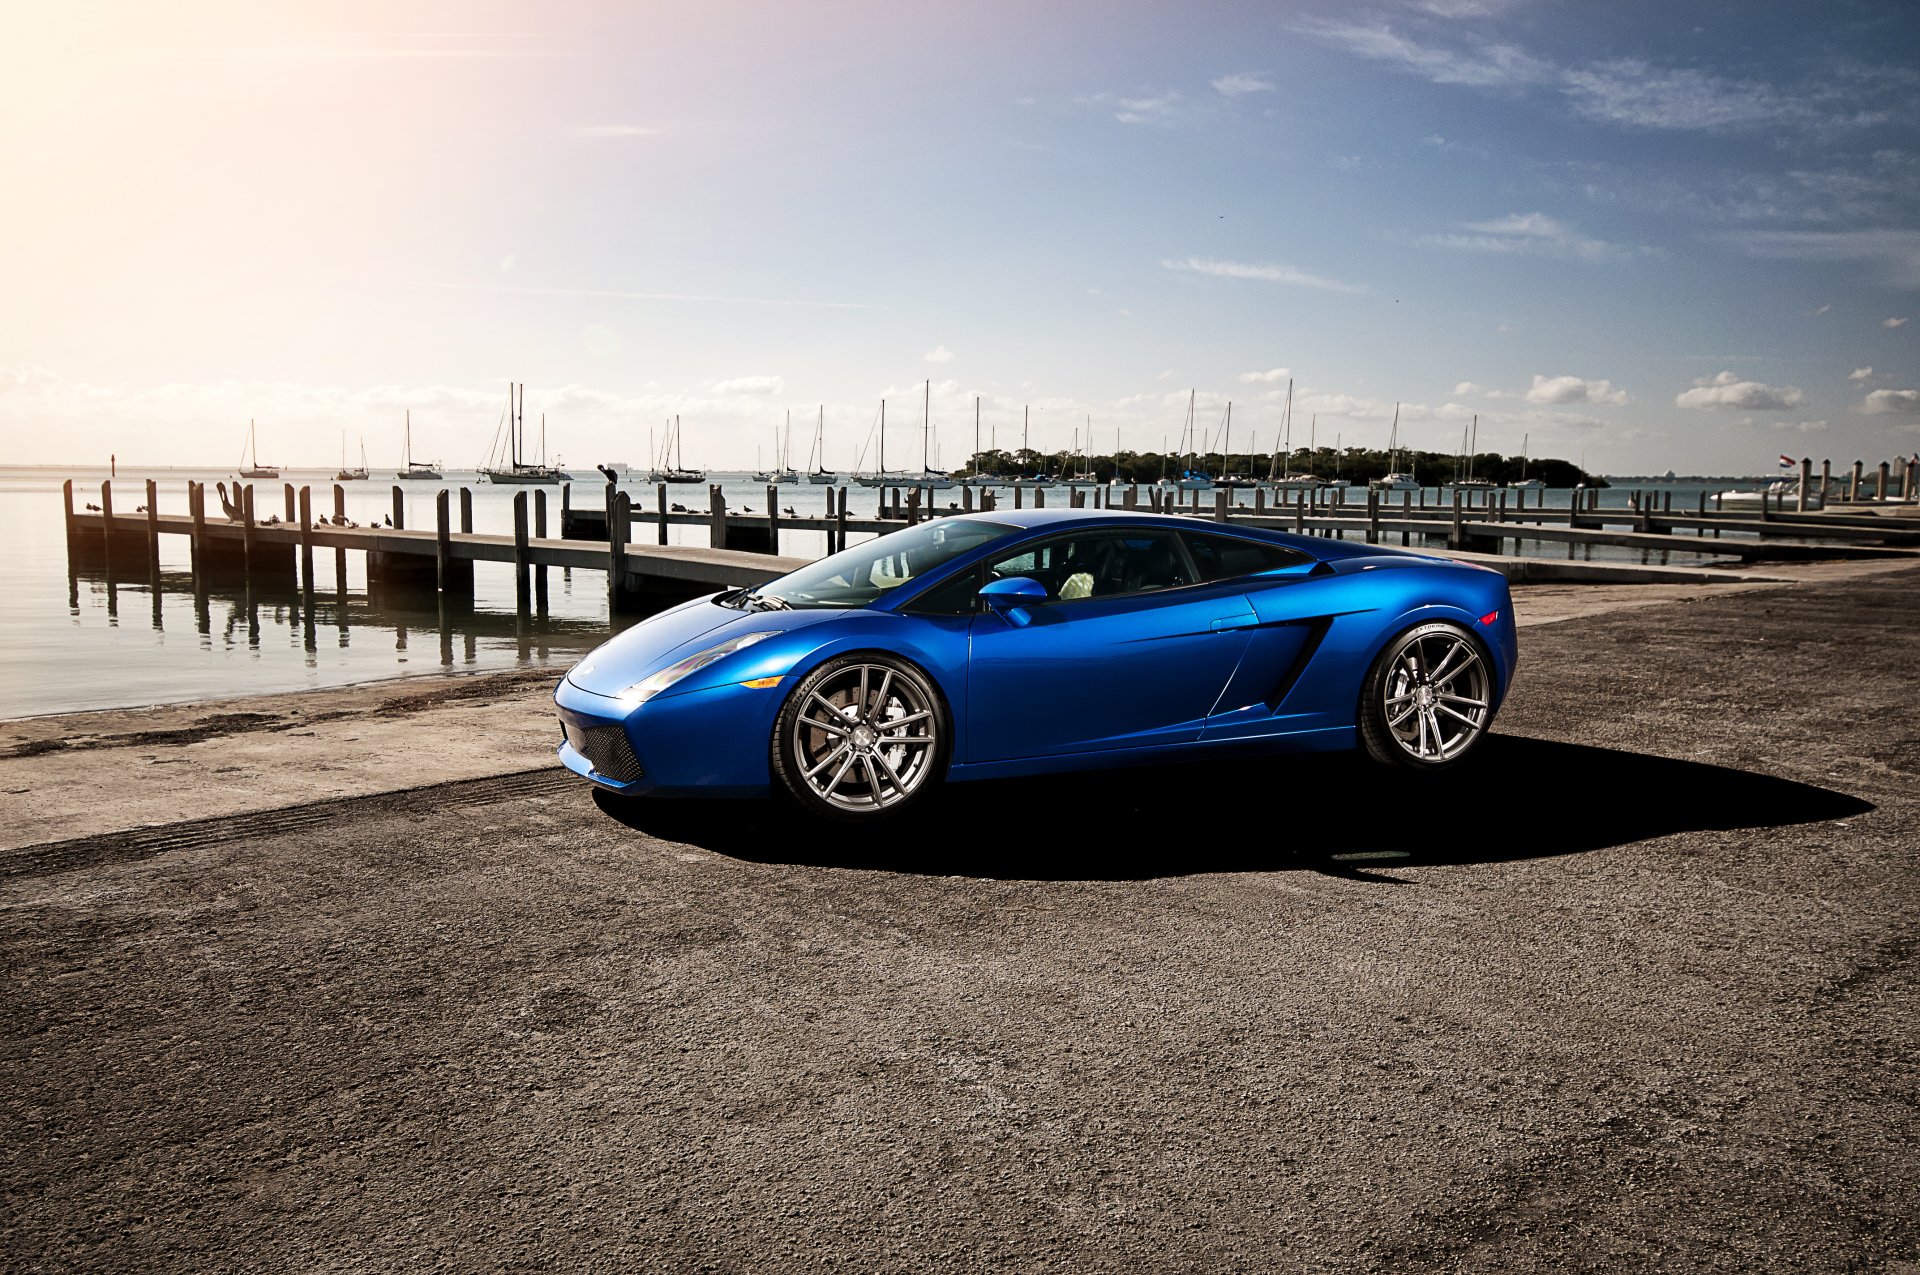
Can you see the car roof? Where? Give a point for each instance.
(1033, 519)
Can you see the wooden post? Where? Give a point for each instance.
(197, 507)
(66, 498)
(1826, 479)
(246, 532)
(1259, 502)
(1373, 516)
(399, 508)
(566, 505)
(1130, 498)
(1457, 539)
(1039, 498)
(1806, 483)
(306, 539)
(291, 515)
(1300, 513)
(619, 509)
(1853, 486)
(539, 513)
(522, 579)
(966, 500)
(466, 512)
(773, 519)
(840, 521)
(1880, 482)
(1406, 511)
(153, 531)
(914, 496)
(1019, 495)
(106, 524)
(442, 540)
(716, 516)
(340, 554)
(660, 503)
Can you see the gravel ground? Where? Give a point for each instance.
(1634, 992)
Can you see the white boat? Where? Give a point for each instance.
(1395, 480)
(819, 475)
(346, 475)
(412, 468)
(253, 467)
(509, 465)
(1525, 483)
(1782, 493)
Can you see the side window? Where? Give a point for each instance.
(1228, 557)
(1100, 564)
(950, 597)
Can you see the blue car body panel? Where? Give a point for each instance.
(1269, 661)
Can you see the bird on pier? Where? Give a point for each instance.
(746, 509)
(139, 509)
(613, 475)
(93, 509)
(789, 510)
(387, 521)
(679, 508)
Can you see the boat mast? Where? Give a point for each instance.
(926, 422)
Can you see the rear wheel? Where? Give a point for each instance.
(1428, 699)
(861, 737)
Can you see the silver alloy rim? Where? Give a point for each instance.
(1436, 696)
(865, 738)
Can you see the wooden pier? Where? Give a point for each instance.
(644, 572)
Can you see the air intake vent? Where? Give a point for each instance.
(606, 750)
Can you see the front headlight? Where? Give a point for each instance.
(642, 691)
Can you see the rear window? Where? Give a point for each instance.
(1226, 557)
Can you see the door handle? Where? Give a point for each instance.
(1228, 623)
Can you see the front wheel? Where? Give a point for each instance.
(1428, 699)
(861, 737)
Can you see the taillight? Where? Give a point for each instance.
(1489, 617)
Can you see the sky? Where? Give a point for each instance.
(1639, 236)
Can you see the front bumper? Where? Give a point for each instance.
(709, 742)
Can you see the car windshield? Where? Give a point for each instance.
(859, 576)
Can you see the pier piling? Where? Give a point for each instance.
(306, 542)
(522, 579)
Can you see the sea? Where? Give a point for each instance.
(76, 640)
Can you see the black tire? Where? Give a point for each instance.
(861, 738)
(1427, 702)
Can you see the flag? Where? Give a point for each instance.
(1788, 462)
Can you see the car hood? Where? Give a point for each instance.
(658, 641)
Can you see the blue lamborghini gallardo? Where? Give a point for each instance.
(1023, 642)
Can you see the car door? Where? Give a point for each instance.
(1127, 651)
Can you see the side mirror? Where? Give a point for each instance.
(1014, 591)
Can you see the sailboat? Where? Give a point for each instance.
(1037, 480)
(880, 477)
(1395, 480)
(771, 475)
(787, 473)
(1469, 444)
(253, 468)
(415, 468)
(1336, 481)
(1525, 483)
(515, 469)
(1229, 478)
(930, 478)
(1192, 479)
(351, 475)
(820, 475)
(678, 472)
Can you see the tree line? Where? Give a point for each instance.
(1358, 465)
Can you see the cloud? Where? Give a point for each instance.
(1627, 92)
(1860, 374)
(1894, 254)
(1486, 66)
(1894, 323)
(1638, 94)
(1891, 402)
(750, 385)
(938, 354)
(1572, 389)
(1268, 377)
(618, 295)
(616, 130)
(1264, 272)
(1825, 308)
(1728, 392)
(1532, 234)
(1241, 83)
(1802, 427)
(1466, 389)
(1153, 108)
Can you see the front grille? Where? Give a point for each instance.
(606, 750)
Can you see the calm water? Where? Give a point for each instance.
(80, 641)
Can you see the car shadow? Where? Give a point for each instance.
(1517, 798)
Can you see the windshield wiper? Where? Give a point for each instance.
(768, 602)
